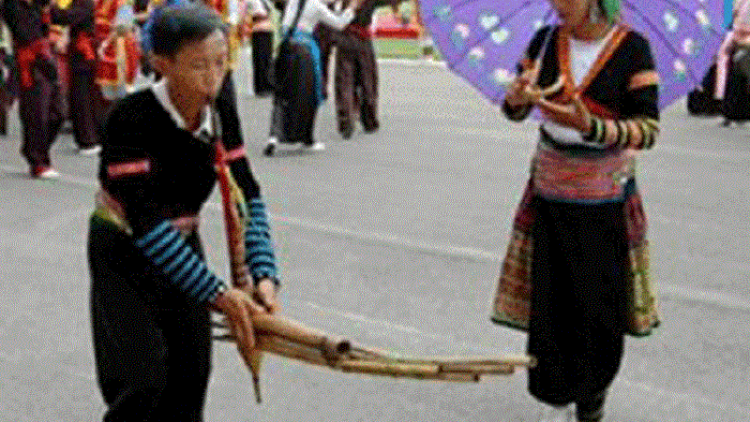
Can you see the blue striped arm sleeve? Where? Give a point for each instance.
(168, 251)
(259, 254)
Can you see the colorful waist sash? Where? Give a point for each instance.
(587, 178)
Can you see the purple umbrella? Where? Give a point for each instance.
(482, 40)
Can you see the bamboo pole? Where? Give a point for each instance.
(333, 347)
(454, 377)
(392, 369)
(234, 229)
(293, 340)
(292, 351)
(470, 368)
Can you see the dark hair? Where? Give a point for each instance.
(175, 27)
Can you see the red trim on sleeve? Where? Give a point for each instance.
(130, 168)
(235, 154)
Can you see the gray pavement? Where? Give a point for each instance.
(394, 239)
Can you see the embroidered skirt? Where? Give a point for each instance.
(513, 296)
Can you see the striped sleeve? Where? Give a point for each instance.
(259, 253)
(638, 126)
(167, 250)
(635, 133)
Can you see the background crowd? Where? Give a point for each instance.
(76, 60)
(67, 61)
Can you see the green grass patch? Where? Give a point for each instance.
(395, 48)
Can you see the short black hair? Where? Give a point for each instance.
(176, 26)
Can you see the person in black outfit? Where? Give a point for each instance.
(151, 289)
(356, 78)
(38, 93)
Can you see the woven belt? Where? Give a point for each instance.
(559, 175)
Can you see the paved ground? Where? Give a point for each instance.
(394, 239)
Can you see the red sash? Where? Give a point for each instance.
(27, 55)
(360, 31)
(84, 44)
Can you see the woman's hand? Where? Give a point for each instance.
(520, 93)
(574, 115)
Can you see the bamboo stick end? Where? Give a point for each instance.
(256, 389)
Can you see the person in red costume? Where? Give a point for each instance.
(41, 116)
(78, 17)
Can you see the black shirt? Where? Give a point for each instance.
(158, 171)
(25, 20)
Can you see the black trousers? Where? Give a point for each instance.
(262, 42)
(294, 103)
(578, 304)
(41, 117)
(152, 345)
(82, 102)
(736, 104)
(356, 82)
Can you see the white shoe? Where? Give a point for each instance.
(45, 173)
(89, 151)
(557, 414)
(317, 146)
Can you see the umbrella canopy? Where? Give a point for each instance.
(482, 40)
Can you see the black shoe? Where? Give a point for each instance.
(269, 150)
(591, 410)
(347, 132)
(372, 129)
(726, 123)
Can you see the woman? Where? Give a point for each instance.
(733, 68)
(594, 82)
(299, 87)
(151, 288)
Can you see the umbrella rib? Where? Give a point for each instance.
(655, 31)
(462, 55)
(500, 93)
(684, 10)
(462, 4)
